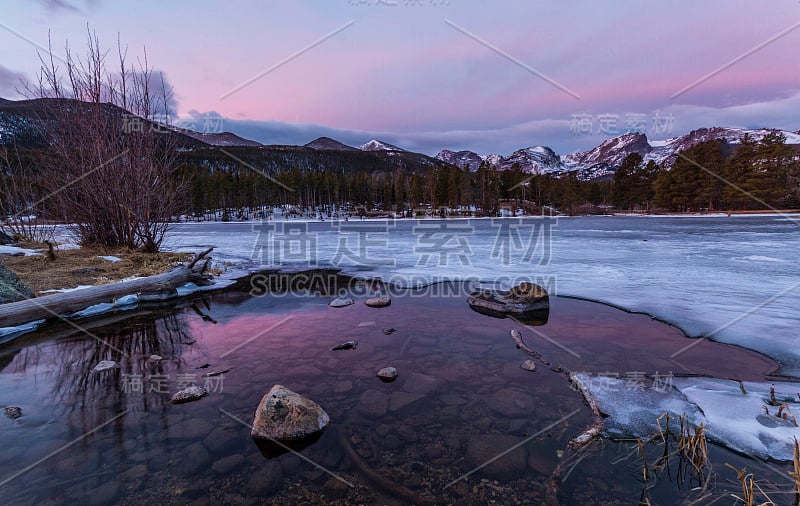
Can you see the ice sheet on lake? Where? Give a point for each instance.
(734, 278)
(732, 419)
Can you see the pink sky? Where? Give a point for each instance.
(399, 69)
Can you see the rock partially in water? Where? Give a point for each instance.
(387, 374)
(189, 394)
(341, 302)
(381, 301)
(482, 448)
(528, 365)
(389, 331)
(13, 412)
(105, 365)
(349, 345)
(526, 301)
(284, 415)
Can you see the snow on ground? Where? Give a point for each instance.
(734, 419)
(110, 258)
(15, 250)
(65, 290)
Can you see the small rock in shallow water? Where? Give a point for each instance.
(13, 412)
(528, 365)
(189, 394)
(341, 302)
(382, 301)
(389, 331)
(105, 365)
(349, 345)
(155, 358)
(387, 374)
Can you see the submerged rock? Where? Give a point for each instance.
(341, 302)
(387, 374)
(189, 394)
(382, 301)
(266, 482)
(418, 383)
(283, 415)
(526, 300)
(105, 365)
(483, 448)
(373, 404)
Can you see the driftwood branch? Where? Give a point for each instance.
(577, 444)
(59, 304)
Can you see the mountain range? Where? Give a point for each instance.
(603, 160)
(19, 120)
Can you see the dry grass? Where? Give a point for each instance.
(83, 266)
(692, 445)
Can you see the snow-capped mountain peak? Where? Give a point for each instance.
(376, 145)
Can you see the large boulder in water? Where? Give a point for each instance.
(287, 416)
(526, 301)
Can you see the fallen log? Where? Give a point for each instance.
(58, 305)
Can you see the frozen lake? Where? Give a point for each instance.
(735, 279)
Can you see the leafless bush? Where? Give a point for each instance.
(109, 170)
